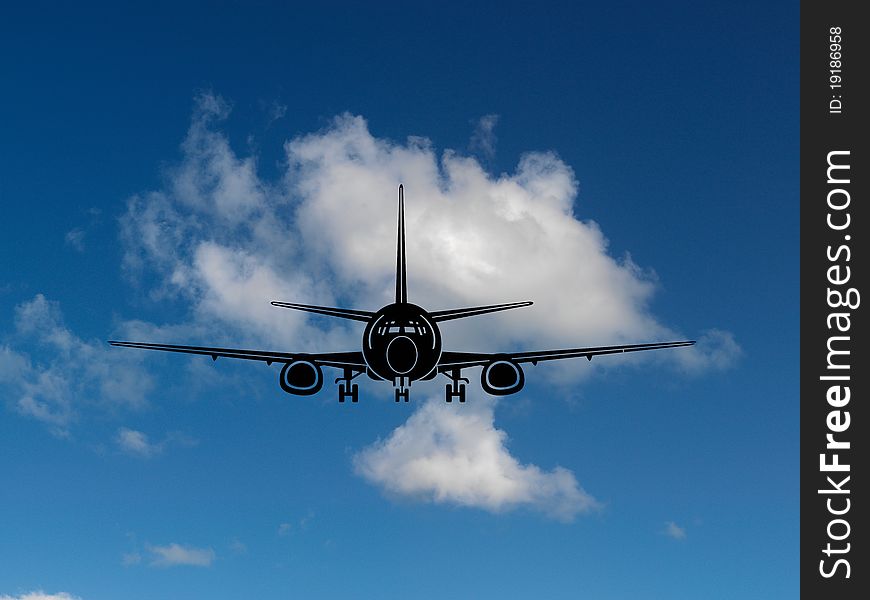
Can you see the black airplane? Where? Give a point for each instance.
(401, 343)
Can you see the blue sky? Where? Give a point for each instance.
(630, 168)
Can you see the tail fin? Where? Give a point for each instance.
(401, 281)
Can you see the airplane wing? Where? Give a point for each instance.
(340, 360)
(461, 360)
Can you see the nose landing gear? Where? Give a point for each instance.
(403, 392)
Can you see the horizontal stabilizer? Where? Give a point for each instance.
(460, 313)
(344, 313)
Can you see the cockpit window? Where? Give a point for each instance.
(407, 327)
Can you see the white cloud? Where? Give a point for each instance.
(674, 531)
(40, 595)
(138, 443)
(228, 242)
(135, 442)
(177, 555)
(455, 454)
(70, 375)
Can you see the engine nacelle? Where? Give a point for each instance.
(502, 377)
(301, 377)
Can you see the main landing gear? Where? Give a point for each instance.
(455, 389)
(346, 389)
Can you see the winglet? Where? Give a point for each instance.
(401, 282)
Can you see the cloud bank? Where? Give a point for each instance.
(226, 241)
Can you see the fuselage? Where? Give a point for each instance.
(401, 341)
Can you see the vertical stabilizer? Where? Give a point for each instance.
(401, 282)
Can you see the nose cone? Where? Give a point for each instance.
(402, 354)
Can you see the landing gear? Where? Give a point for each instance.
(353, 394)
(346, 389)
(402, 392)
(455, 389)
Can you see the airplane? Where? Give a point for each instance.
(401, 343)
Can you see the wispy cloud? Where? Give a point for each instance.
(275, 110)
(716, 349)
(70, 374)
(674, 531)
(174, 555)
(455, 454)
(75, 238)
(286, 528)
(483, 139)
(138, 443)
(40, 595)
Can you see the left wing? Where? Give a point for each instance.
(461, 360)
(341, 360)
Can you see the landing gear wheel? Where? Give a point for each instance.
(353, 394)
(346, 389)
(451, 392)
(403, 394)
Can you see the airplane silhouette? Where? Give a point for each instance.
(402, 343)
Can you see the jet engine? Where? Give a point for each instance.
(502, 377)
(301, 377)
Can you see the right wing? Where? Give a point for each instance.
(341, 360)
(461, 360)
